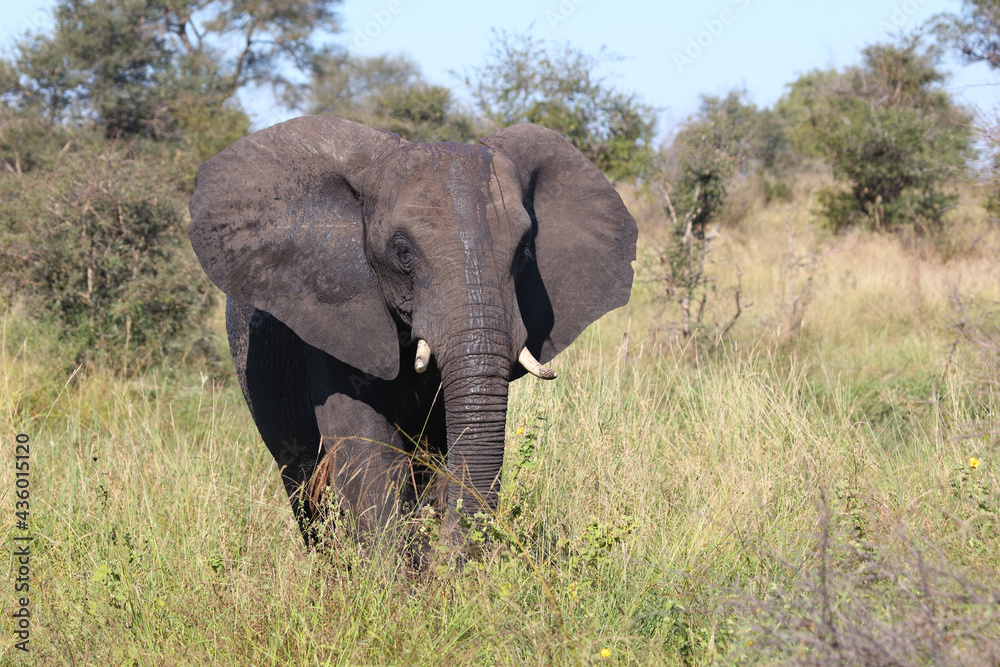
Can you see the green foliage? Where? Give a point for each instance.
(138, 67)
(205, 128)
(893, 162)
(596, 544)
(27, 144)
(528, 80)
(808, 105)
(92, 236)
(425, 113)
(708, 158)
(974, 32)
(105, 120)
(95, 244)
(776, 190)
(893, 137)
(389, 93)
(728, 137)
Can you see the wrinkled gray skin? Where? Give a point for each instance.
(339, 246)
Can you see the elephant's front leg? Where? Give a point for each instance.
(365, 464)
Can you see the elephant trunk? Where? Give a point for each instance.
(475, 376)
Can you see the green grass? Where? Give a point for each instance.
(775, 499)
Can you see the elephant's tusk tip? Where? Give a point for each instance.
(533, 366)
(423, 356)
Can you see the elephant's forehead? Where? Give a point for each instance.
(444, 181)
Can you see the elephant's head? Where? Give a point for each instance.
(358, 240)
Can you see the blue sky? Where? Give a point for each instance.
(671, 52)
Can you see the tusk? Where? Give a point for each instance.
(532, 366)
(423, 356)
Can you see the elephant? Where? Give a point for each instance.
(382, 295)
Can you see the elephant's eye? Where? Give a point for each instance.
(404, 254)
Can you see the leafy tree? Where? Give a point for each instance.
(975, 32)
(728, 136)
(389, 92)
(709, 148)
(104, 121)
(771, 146)
(344, 84)
(136, 67)
(892, 135)
(527, 80)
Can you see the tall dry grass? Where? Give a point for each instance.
(793, 494)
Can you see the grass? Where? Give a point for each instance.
(783, 497)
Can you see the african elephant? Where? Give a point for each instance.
(382, 292)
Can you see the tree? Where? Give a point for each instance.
(811, 102)
(709, 149)
(389, 93)
(528, 80)
(132, 66)
(975, 32)
(104, 121)
(727, 137)
(891, 134)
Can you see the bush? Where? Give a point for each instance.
(729, 137)
(892, 136)
(890, 161)
(96, 246)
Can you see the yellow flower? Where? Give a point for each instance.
(520, 430)
(605, 653)
(973, 462)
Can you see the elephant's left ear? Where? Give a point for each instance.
(584, 238)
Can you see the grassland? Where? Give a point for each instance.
(801, 491)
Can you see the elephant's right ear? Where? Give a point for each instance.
(276, 223)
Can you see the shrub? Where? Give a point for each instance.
(728, 138)
(96, 246)
(890, 161)
(892, 136)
